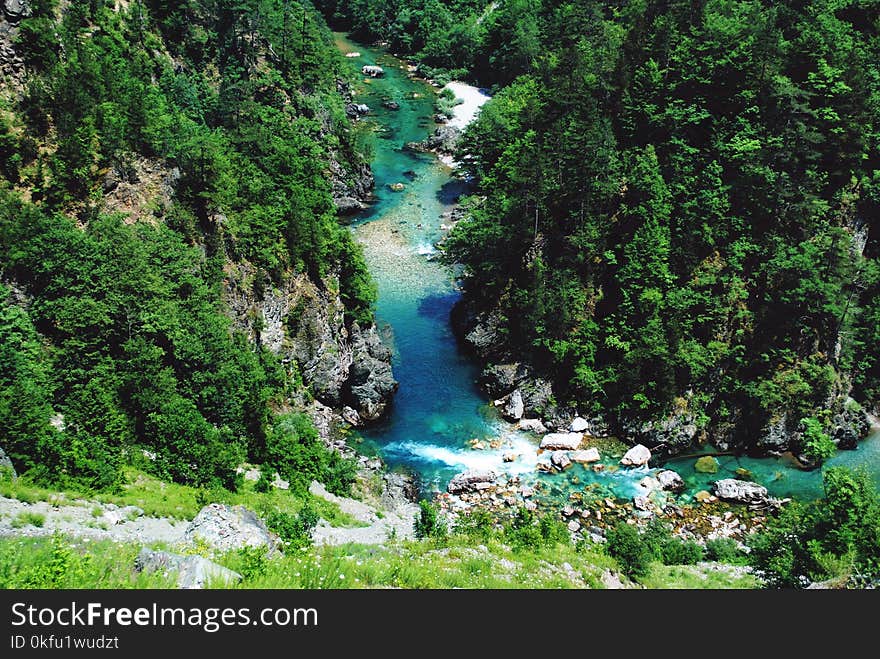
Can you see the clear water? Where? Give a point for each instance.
(438, 407)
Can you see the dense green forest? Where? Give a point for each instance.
(678, 208)
(115, 344)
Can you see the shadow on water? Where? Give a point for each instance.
(438, 306)
(449, 192)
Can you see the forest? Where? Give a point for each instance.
(115, 343)
(677, 212)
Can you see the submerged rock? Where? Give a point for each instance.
(737, 491)
(193, 572)
(706, 465)
(637, 456)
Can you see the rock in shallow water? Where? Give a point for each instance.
(637, 456)
(706, 465)
(737, 491)
(560, 460)
(585, 457)
(470, 481)
(561, 441)
(670, 480)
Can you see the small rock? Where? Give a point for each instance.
(391, 105)
(568, 510)
(702, 496)
(397, 187)
(706, 465)
(532, 425)
(193, 572)
(670, 480)
(585, 457)
(637, 456)
(574, 526)
(225, 528)
(526, 492)
(642, 503)
(649, 483)
(509, 457)
(351, 415)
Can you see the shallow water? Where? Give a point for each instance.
(438, 408)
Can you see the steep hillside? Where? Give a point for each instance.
(175, 285)
(678, 222)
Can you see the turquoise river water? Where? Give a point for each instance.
(438, 408)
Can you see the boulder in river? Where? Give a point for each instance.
(560, 460)
(585, 457)
(737, 491)
(637, 456)
(391, 105)
(579, 424)
(223, 527)
(373, 71)
(532, 425)
(561, 441)
(193, 572)
(470, 481)
(670, 480)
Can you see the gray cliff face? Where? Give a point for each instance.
(343, 365)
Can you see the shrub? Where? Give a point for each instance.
(723, 550)
(294, 530)
(28, 519)
(428, 523)
(627, 548)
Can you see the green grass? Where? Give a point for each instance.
(28, 519)
(697, 577)
(158, 498)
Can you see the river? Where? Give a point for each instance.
(438, 408)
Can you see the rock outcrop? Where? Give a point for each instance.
(226, 528)
(6, 466)
(193, 572)
(471, 481)
(370, 384)
(849, 425)
(342, 363)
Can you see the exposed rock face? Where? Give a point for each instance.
(443, 140)
(15, 10)
(6, 464)
(669, 435)
(225, 528)
(500, 379)
(738, 491)
(514, 408)
(297, 320)
(670, 480)
(775, 436)
(193, 572)
(471, 481)
(637, 456)
(370, 383)
(849, 425)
